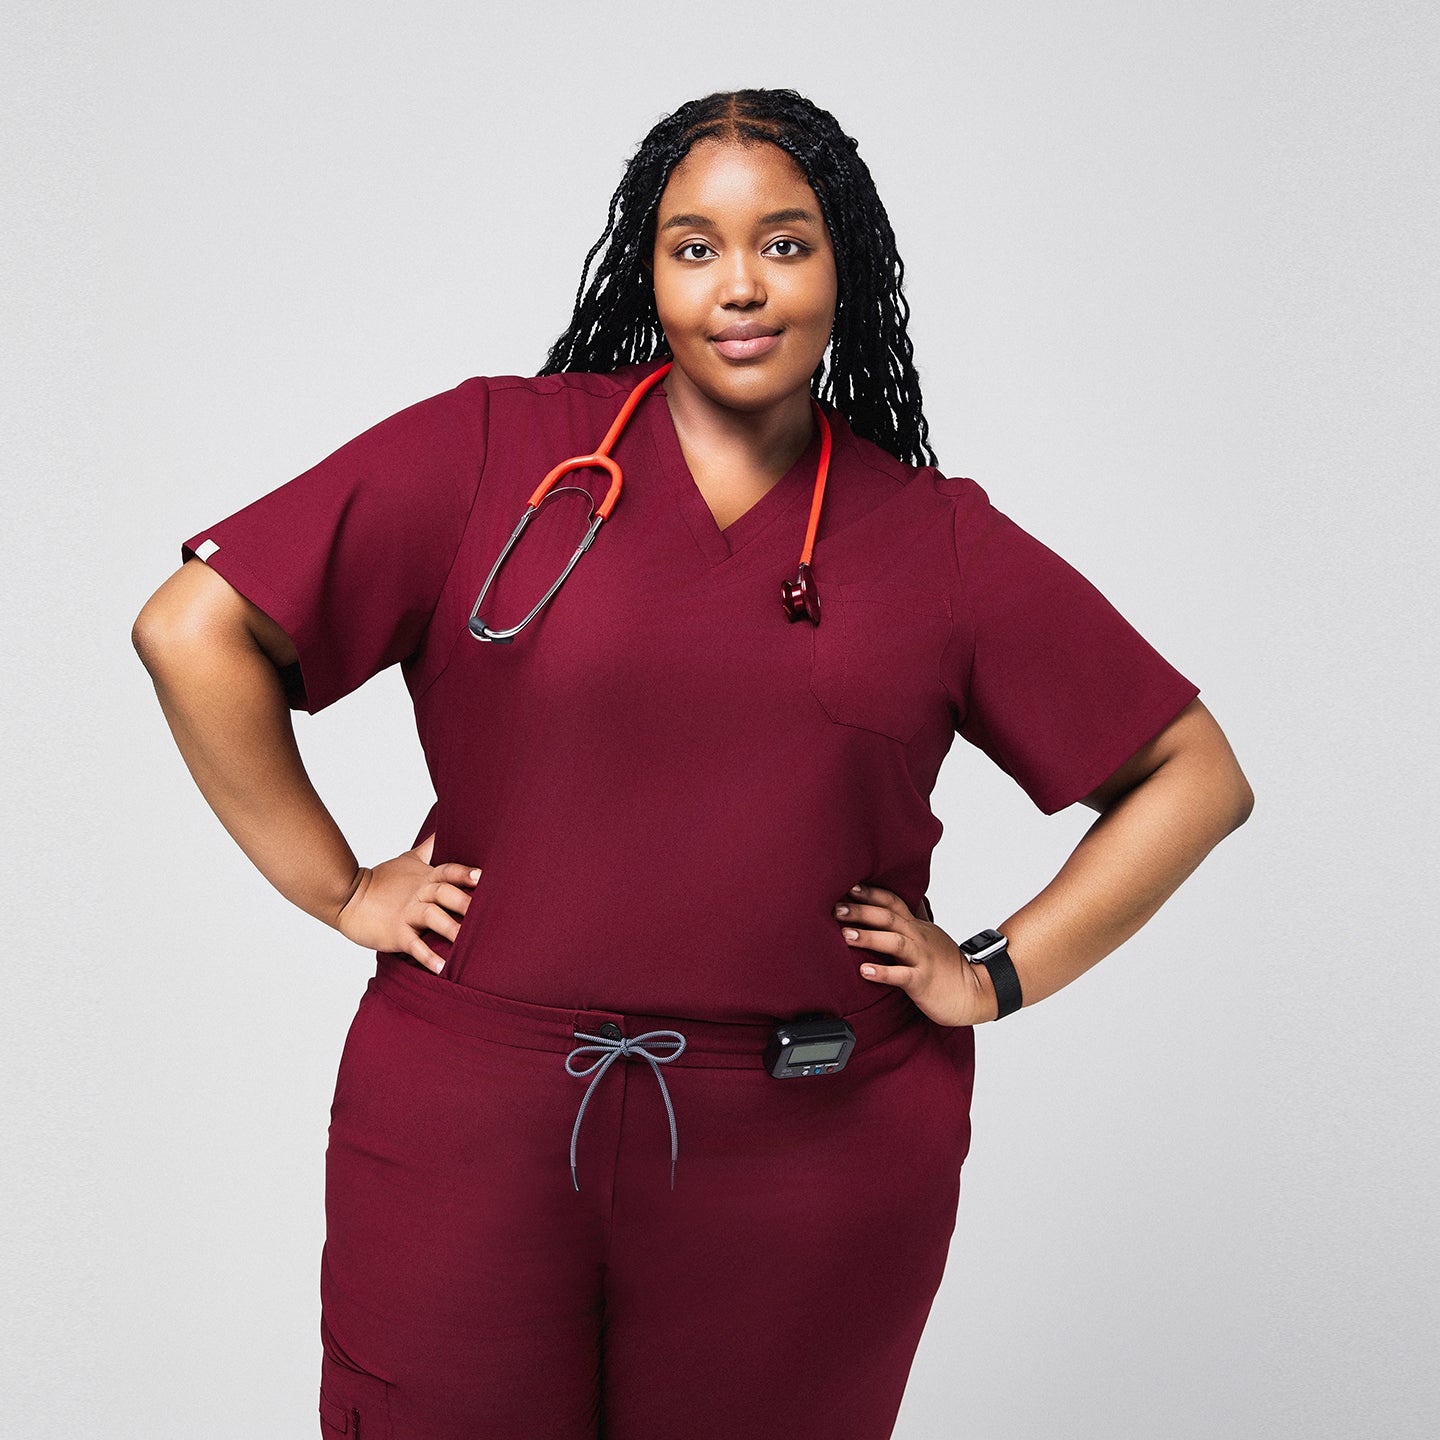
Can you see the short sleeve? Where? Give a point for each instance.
(350, 557)
(1048, 678)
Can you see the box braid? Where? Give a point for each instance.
(871, 377)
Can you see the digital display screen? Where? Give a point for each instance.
(818, 1052)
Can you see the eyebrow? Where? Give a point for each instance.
(775, 217)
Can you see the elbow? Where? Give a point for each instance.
(194, 610)
(171, 624)
(1215, 788)
(147, 637)
(1234, 798)
(1244, 801)
(1231, 797)
(159, 631)
(197, 615)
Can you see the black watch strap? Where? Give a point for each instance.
(1005, 981)
(990, 949)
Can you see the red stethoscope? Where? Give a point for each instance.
(799, 596)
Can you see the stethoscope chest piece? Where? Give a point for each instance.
(801, 597)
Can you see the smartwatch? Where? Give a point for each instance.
(988, 948)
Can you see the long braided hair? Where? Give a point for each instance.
(870, 378)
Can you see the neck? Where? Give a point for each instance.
(767, 441)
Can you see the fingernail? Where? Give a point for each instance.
(856, 889)
(842, 909)
(474, 874)
(852, 934)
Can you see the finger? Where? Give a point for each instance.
(452, 898)
(426, 848)
(875, 895)
(457, 874)
(886, 942)
(887, 900)
(866, 914)
(425, 955)
(898, 975)
(442, 922)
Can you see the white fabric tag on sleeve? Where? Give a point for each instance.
(205, 549)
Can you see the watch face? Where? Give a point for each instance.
(978, 946)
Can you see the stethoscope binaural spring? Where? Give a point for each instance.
(799, 596)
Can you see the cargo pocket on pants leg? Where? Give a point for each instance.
(354, 1405)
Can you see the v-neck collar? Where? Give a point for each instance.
(716, 544)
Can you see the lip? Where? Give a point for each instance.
(745, 342)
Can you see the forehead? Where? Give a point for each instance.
(725, 176)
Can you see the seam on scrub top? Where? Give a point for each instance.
(998, 518)
(569, 381)
(962, 702)
(460, 544)
(850, 442)
(861, 458)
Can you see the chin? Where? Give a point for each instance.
(749, 388)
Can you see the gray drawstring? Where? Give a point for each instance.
(611, 1051)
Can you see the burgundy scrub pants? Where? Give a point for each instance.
(470, 1292)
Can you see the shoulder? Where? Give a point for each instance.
(568, 386)
(856, 451)
(933, 500)
(598, 385)
(927, 483)
(547, 400)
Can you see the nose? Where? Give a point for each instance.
(741, 282)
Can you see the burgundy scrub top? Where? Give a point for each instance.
(667, 782)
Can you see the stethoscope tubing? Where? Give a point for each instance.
(599, 459)
(800, 597)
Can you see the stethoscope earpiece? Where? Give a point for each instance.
(481, 631)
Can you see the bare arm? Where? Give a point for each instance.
(1161, 814)
(216, 661)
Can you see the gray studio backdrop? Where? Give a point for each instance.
(1172, 276)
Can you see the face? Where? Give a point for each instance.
(744, 274)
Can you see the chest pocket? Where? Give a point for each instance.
(875, 661)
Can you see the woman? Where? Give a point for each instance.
(668, 807)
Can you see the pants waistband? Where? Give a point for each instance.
(708, 1043)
